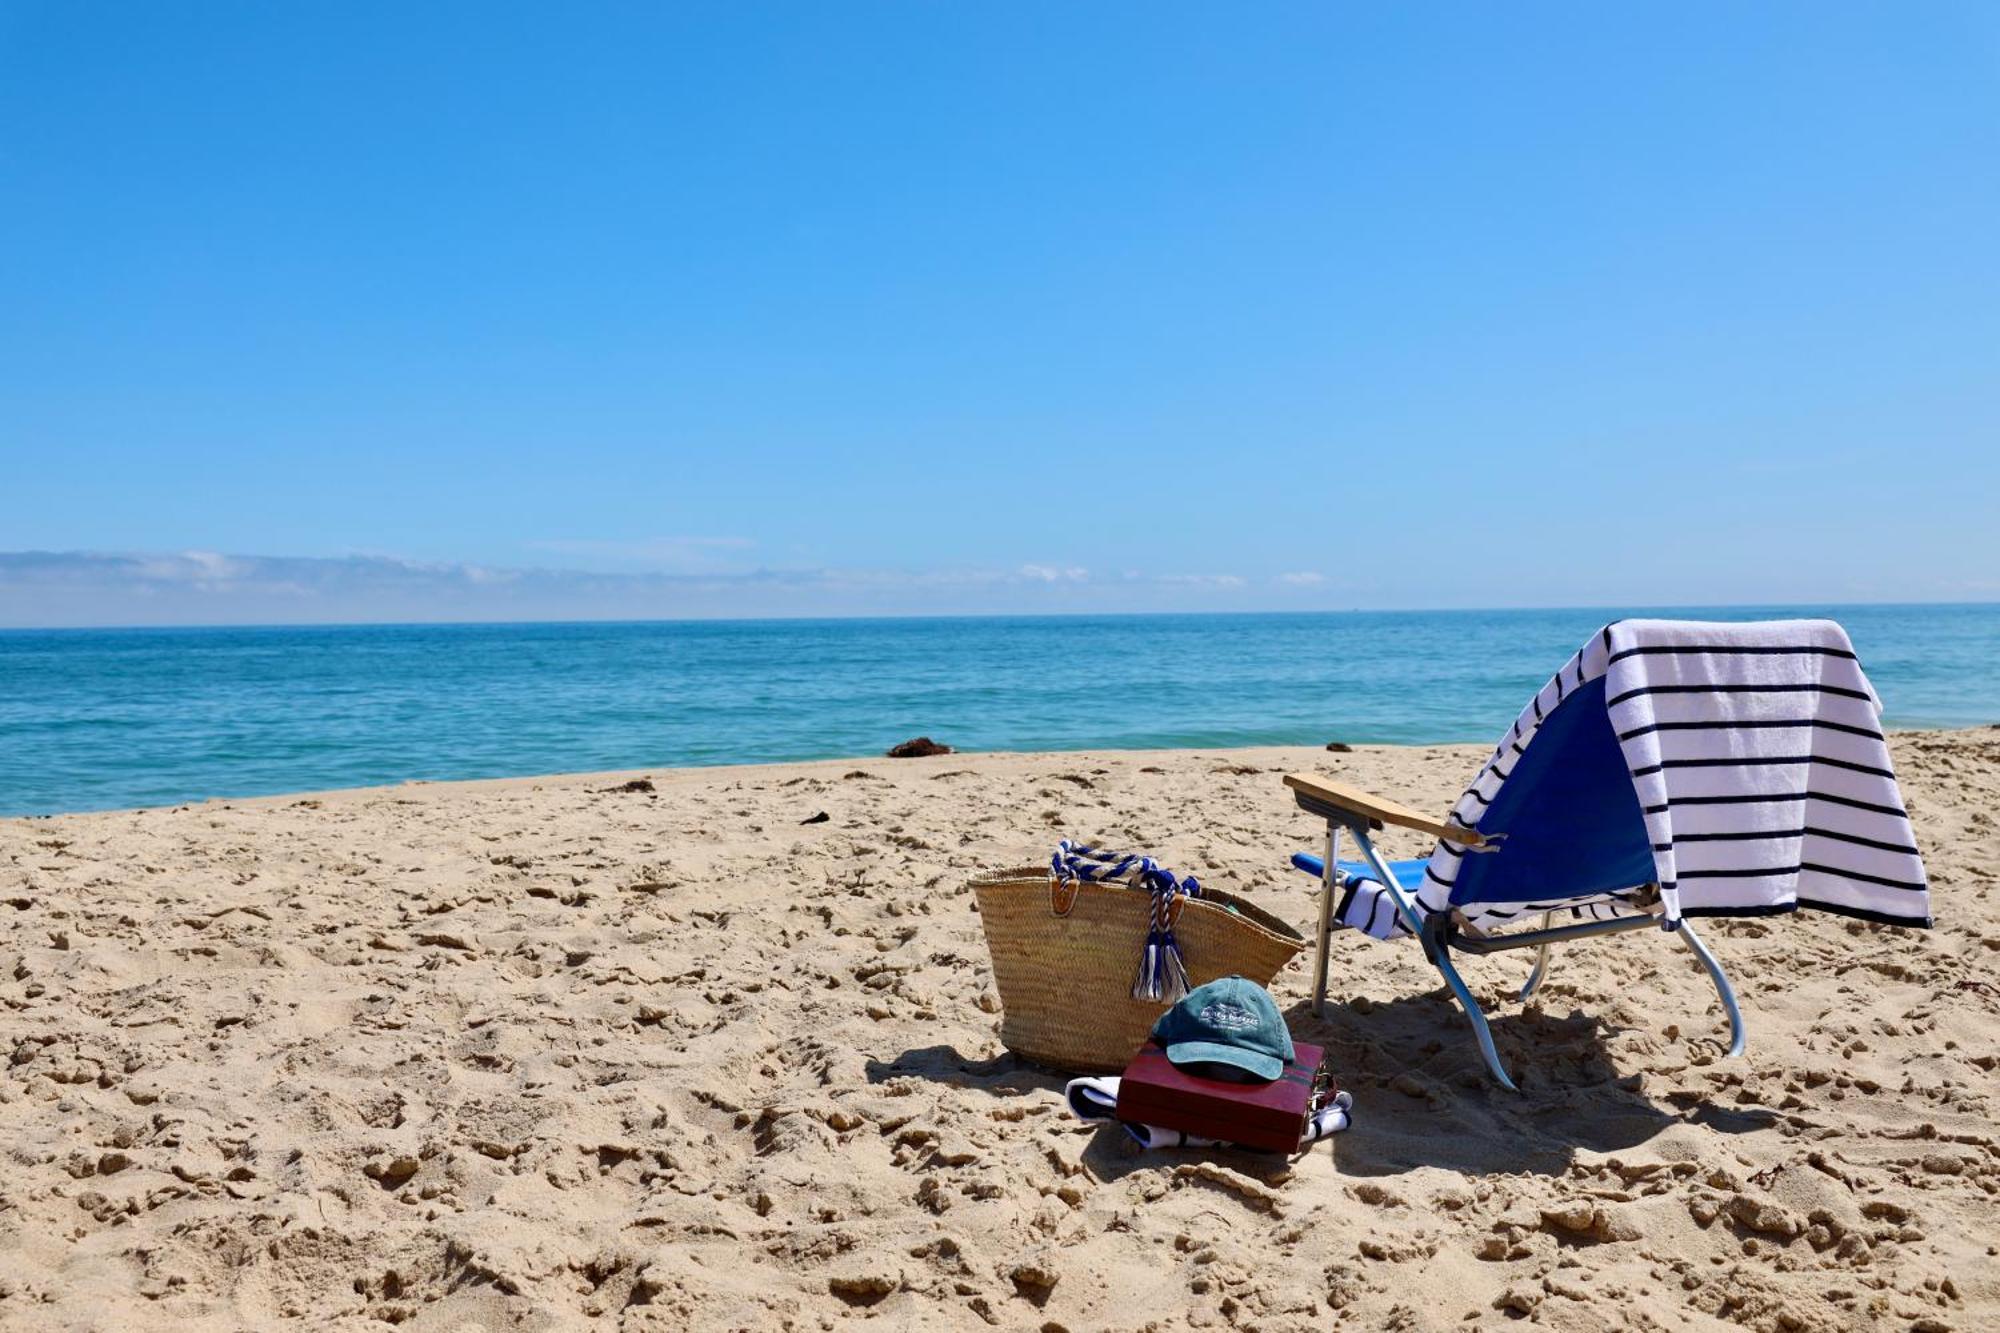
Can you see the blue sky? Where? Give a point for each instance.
(828, 309)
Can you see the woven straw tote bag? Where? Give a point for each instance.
(1064, 956)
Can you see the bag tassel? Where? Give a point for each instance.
(1163, 974)
(1162, 971)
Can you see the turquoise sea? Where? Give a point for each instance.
(99, 719)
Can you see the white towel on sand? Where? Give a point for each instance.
(1757, 756)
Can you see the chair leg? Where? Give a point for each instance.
(1406, 907)
(1326, 883)
(1541, 972)
(1480, 1031)
(1739, 1035)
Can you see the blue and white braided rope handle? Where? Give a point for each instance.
(1162, 971)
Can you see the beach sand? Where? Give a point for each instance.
(564, 1053)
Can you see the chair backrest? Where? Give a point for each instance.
(1740, 767)
(1570, 820)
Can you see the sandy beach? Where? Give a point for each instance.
(651, 1050)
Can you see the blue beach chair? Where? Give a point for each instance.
(1671, 769)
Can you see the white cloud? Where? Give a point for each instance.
(193, 567)
(41, 588)
(1303, 578)
(1201, 580)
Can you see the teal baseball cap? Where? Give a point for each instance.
(1231, 1021)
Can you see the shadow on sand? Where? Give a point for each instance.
(1002, 1076)
(1111, 1153)
(1422, 1095)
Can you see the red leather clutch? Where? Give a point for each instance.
(1255, 1115)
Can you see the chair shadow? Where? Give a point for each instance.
(1423, 1097)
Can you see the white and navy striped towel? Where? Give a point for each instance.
(1757, 756)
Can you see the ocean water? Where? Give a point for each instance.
(105, 719)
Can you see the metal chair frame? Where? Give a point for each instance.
(1439, 935)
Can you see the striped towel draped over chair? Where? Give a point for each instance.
(1740, 768)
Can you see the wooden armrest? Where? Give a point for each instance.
(1377, 810)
